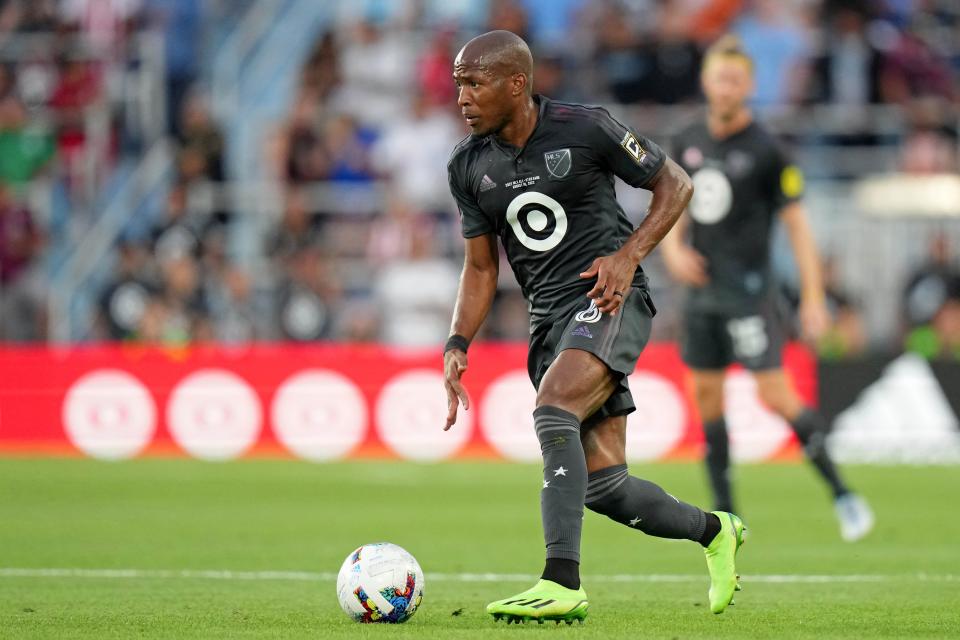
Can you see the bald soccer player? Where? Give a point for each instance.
(539, 175)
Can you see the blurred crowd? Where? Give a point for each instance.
(375, 109)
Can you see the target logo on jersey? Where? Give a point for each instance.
(712, 196)
(538, 221)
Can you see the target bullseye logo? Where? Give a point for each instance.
(660, 420)
(411, 411)
(109, 414)
(213, 414)
(537, 211)
(712, 196)
(319, 415)
(756, 433)
(506, 417)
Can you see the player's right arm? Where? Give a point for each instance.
(685, 264)
(478, 285)
(478, 280)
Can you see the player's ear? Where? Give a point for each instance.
(518, 84)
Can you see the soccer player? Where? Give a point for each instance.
(539, 175)
(744, 182)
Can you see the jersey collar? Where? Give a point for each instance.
(542, 102)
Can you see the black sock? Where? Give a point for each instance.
(718, 463)
(564, 572)
(564, 481)
(711, 530)
(811, 430)
(642, 505)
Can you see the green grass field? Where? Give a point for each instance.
(176, 521)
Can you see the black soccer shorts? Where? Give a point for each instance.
(713, 341)
(616, 340)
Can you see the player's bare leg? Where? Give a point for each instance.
(777, 392)
(708, 394)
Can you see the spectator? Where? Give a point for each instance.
(347, 149)
(414, 152)
(774, 37)
(378, 68)
(299, 149)
(710, 19)
(178, 234)
(21, 288)
(124, 301)
(433, 72)
(509, 15)
(932, 284)
(38, 16)
(913, 69)
(551, 21)
(321, 74)
(234, 309)
(929, 149)
(416, 294)
(673, 58)
(24, 149)
(299, 229)
(307, 296)
(846, 337)
(932, 304)
(78, 88)
(201, 138)
(185, 309)
(180, 22)
(105, 24)
(618, 55)
(848, 69)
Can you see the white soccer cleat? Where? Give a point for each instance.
(856, 518)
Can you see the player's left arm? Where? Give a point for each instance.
(641, 163)
(672, 190)
(814, 317)
(786, 186)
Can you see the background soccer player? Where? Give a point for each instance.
(743, 182)
(540, 175)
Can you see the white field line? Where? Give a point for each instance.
(307, 576)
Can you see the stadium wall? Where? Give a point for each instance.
(329, 402)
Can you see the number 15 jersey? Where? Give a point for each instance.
(552, 202)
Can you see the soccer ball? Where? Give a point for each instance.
(380, 582)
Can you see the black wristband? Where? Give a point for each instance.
(456, 341)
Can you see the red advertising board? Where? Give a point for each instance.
(327, 402)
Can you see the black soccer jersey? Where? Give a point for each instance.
(740, 183)
(552, 203)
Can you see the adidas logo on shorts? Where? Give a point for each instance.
(583, 331)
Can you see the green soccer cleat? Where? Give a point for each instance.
(547, 600)
(721, 561)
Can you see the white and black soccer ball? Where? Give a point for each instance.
(380, 582)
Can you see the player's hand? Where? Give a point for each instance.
(454, 364)
(687, 265)
(814, 319)
(614, 274)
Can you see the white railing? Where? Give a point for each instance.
(97, 243)
(228, 68)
